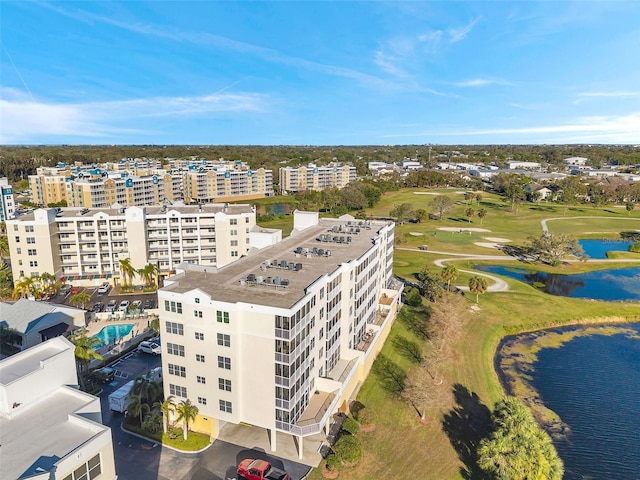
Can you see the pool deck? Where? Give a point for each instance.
(138, 333)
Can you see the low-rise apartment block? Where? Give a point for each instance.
(50, 430)
(133, 183)
(282, 338)
(84, 246)
(315, 177)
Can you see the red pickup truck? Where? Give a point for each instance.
(251, 469)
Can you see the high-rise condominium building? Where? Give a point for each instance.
(7, 203)
(85, 245)
(313, 177)
(282, 338)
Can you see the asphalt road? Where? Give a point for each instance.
(141, 459)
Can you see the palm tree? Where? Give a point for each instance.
(9, 336)
(137, 408)
(6, 281)
(85, 351)
(166, 407)
(187, 413)
(4, 247)
(146, 387)
(154, 324)
(128, 271)
(80, 299)
(449, 274)
(23, 287)
(481, 214)
(149, 273)
(48, 281)
(469, 213)
(477, 285)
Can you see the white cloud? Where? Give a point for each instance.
(457, 34)
(480, 82)
(583, 97)
(25, 119)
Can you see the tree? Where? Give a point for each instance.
(128, 271)
(23, 287)
(401, 211)
(516, 195)
(137, 407)
(412, 297)
(154, 324)
(146, 387)
(166, 407)
(478, 198)
(478, 285)
(149, 273)
(48, 281)
(353, 198)
(421, 215)
(187, 413)
(468, 197)
(9, 337)
(517, 448)
(571, 188)
(441, 204)
(4, 247)
(449, 274)
(469, 212)
(551, 249)
(629, 206)
(429, 285)
(80, 299)
(481, 214)
(85, 351)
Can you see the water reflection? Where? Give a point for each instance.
(611, 285)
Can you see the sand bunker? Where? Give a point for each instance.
(426, 193)
(487, 245)
(467, 229)
(416, 234)
(497, 239)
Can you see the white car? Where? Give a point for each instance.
(149, 347)
(124, 304)
(103, 289)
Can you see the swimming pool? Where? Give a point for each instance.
(111, 333)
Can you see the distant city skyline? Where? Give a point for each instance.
(320, 73)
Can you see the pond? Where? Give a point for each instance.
(621, 284)
(599, 248)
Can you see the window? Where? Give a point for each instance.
(197, 313)
(199, 336)
(31, 240)
(33, 263)
(87, 471)
(175, 349)
(197, 300)
(234, 253)
(175, 307)
(177, 390)
(233, 233)
(19, 251)
(224, 362)
(225, 406)
(199, 358)
(233, 221)
(28, 228)
(32, 252)
(246, 219)
(17, 239)
(177, 370)
(201, 379)
(224, 340)
(174, 327)
(222, 317)
(202, 400)
(234, 243)
(224, 384)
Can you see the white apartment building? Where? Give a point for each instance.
(314, 177)
(7, 202)
(49, 430)
(84, 246)
(282, 338)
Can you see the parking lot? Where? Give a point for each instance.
(101, 301)
(140, 459)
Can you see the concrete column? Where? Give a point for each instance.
(272, 435)
(300, 446)
(327, 426)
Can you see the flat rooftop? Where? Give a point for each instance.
(18, 366)
(225, 283)
(44, 432)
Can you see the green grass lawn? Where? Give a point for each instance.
(402, 447)
(174, 438)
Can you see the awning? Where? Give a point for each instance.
(57, 330)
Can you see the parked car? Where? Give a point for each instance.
(103, 289)
(137, 304)
(124, 304)
(251, 469)
(75, 290)
(103, 375)
(97, 307)
(148, 304)
(111, 306)
(64, 289)
(149, 347)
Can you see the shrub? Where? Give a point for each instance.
(350, 425)
(332, 461)
(412, 297)
(366, 416)
(635, 248)
(152, 423)
(349, 449)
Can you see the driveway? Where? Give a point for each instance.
(141, 459)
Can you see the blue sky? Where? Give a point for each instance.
(319, 73)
